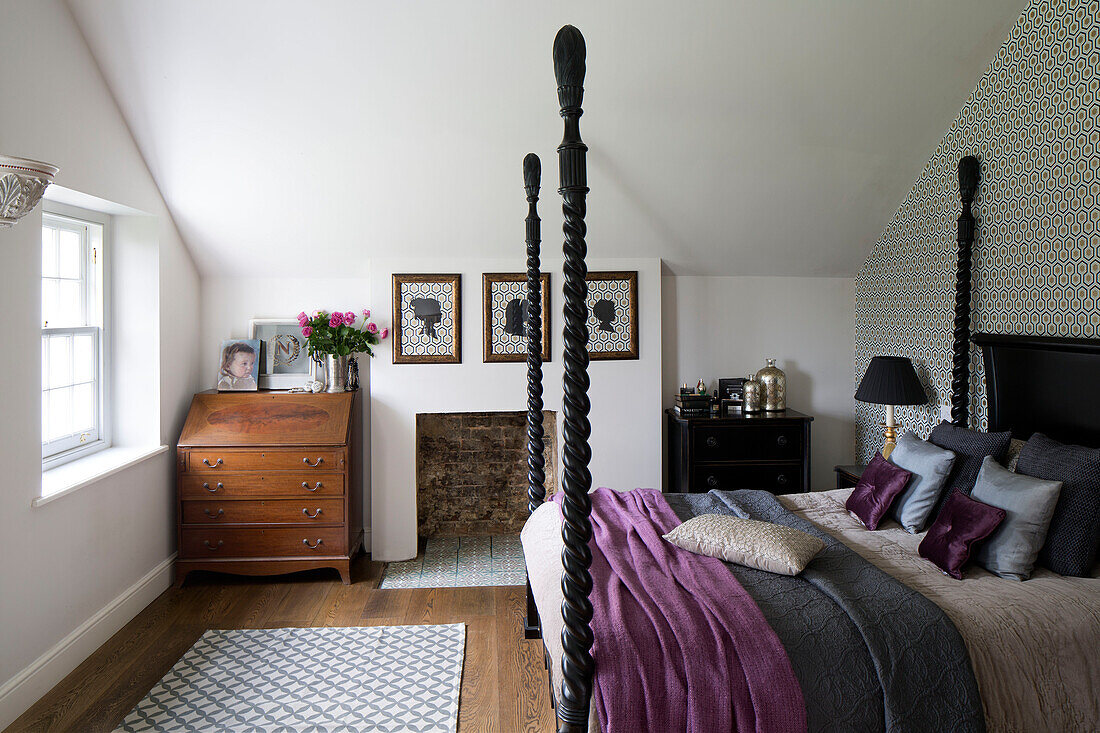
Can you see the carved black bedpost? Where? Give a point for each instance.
(576, 582)
(969, 173)
(536, 465)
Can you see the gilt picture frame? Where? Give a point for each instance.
(427, 319)
(504, 316)
(612, 315)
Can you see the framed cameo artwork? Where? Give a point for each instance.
(613, 315)
(427, 325)
(504, 321)
(284, 363)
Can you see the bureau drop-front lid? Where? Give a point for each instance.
(267, 418)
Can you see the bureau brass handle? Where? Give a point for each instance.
(211, 514)
(313, 465)
(215, 464)
(217, 486)
(712, 442)
(306, 486)
(781, 479)
(212, 547)
(781, 441)
(712, 481)
(312, 547)
(311, 516)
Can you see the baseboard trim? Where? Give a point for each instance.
(39, 677)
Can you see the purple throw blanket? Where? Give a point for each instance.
(679, 644)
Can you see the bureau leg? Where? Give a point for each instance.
(180, 576)
(345, 573)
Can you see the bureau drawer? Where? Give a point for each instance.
(748, 443)
(215, 542)
(272, 511)
(231, 485)
(784, 478)
(209, 460)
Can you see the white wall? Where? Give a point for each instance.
(63, 563)
(626, 395)
(726, 326)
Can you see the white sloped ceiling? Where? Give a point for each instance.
(757, 137)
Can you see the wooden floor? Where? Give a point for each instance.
(504, 683)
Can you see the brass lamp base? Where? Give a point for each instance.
(890, 436)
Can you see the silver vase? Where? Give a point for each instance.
(774, 383)
(336, 368)
(752, 397)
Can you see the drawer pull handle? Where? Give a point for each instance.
(313, 547)
(211, 547)
(211, 514)
(313, 465)
(311, 516)
(781, 479)
(307, 488)
(215, 464)
(781, 441)
(712, 442)
(217, 487)
(712, 481)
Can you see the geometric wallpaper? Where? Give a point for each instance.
(1032, 122)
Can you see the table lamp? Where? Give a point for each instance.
(890, 381)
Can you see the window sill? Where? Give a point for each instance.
(66, 479)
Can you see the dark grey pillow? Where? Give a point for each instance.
(1028, 502)
(930, 466)
(970, 448)
(1073, 542)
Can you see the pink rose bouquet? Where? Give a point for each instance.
(336, 333)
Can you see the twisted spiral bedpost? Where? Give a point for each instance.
(969, 173)
(576, 636)
(536, 466)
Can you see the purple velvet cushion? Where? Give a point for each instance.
(963, 523)
(879, 485)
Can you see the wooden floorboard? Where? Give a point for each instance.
(504, 686)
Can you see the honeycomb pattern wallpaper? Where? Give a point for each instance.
(1032, 122)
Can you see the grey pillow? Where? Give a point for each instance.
(1073, 542)
(930, 466)
(969, 447)
(1029, 504)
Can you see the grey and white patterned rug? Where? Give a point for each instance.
(378, 679)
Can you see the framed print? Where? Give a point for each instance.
(284, 363)
(504, 323)
(427, 324)
(239, 365)
(613, 315)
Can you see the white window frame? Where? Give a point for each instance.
(95, 227)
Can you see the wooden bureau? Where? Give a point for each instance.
(269, 482)
(769, 450)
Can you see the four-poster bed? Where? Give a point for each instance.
(926, 653)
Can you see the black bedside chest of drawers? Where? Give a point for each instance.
(768, 450)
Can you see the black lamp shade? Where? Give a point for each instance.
(891, 380)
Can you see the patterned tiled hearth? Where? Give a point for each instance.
(460, 562)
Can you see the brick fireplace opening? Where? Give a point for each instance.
(471, 472)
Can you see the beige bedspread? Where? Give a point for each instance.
(1034, 646)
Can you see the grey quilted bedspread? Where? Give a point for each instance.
(869, 652)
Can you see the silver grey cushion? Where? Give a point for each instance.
(774, 548)
(1029, 503)
(930, 466)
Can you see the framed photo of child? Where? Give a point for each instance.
(240, 365)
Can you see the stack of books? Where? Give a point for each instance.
(692, 405)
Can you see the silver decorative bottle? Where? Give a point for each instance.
(752, 398)
(774, 383)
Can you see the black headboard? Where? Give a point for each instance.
(1043, 384)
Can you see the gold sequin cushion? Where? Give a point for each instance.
(762, 545)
